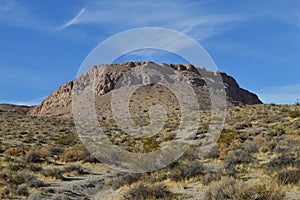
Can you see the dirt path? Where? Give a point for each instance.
(86, 187)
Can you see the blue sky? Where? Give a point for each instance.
(43, 43)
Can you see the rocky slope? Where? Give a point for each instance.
(58, 104)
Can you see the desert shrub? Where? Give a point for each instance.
(191, 153)
(3, 175)
(2, 149)
(14, 151)
(66, 140)
(227, 136)
(268, 145)
(228, 188)
(214, 153)
(237, 157)
(72, 155)
(259, 139)
(36, 183)
(210, 177)
(4, 191)
(289, 177)
(243, 125)
(271, 191)
(150, 144)
(143, 192)
(124, 179)
(184, 171)
(34, 196)
(229, 140)
(57, 150)
(53, 172)
(77, 169)
(15, 166)
(90, 159)
(22, 190)
(294, 113)
(12, 167)
(146, 145)
(250, 146)
(281, 149)
(44, 152)
(282, 161)
(229, 169)
(19, 177)
(264, 149)
(285, 145)
(34, 168)
(32, 156)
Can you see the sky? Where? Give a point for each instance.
(43, 43)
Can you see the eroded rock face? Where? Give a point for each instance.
(103, 79)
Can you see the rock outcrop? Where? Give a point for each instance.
(59, 103)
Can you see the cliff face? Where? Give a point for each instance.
(58, 104)
(236, 95)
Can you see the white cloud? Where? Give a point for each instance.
(287, 94)
(193, 19)
(72, 21)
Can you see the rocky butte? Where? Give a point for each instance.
(59, 103)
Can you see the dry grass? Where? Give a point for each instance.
(230, 188)
(259, 141)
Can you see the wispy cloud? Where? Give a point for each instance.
(14, 13)
(287, 94)
(72, 21)
(190, 18)
(27, 15)
(200, 20)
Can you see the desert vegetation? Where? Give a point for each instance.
(257, 156)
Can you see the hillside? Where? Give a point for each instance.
(59, 103)
(15, 108)
(256, 157)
